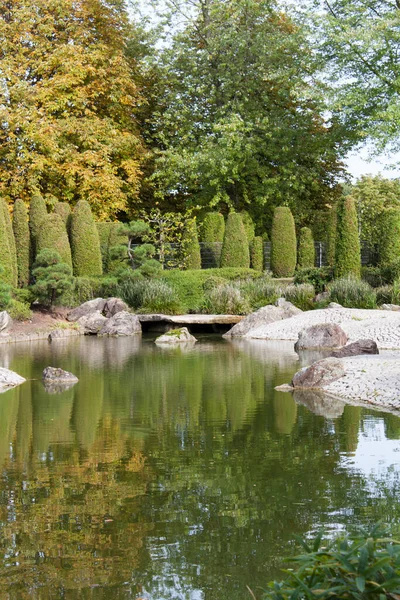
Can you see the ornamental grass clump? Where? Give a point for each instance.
(235, 248)
(351, 567)
(301, 295)
(226, 300)
(384, 294)
(351, 292)
(306, 251)
(22, 241)
(260, 292)
(283, 241)
(150, 296)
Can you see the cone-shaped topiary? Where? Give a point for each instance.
(191, 247)
(6, 257)
(331, 236)
(11, 242)
(283, 240)
(64, 210)
(348, 251)
(306, 252)
(212, 236)
(85, 244)
(53, 235)
(249, 226)
(235, 248)
(37, 214)
(22, 241)
(257, 253)
(389, 248)
(110, 236)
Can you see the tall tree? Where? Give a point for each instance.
(67, 103)
(241, 124)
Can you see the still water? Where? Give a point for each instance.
(176, 473)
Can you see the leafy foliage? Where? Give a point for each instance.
(235, 248)
(85, 244)
(348, 252)
(318, 277)
(53, 235)
(283, 239)
(22, 241)
(52, 277)
(111, 238)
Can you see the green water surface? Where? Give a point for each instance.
(176, 473)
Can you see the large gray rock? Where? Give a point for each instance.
(114, 306)
(60, 334)
(320, 374)
(55, 374)
(92, 323)
(263, 316)
(394, 307)
(357, 348)
(5, 321)
(323, 335)
(86, 309)
(122, 323)
(176, 336)
(9, 379)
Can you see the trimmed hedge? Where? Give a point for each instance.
(249, 226)
(212, 231)
(348, 250)
(37, 214)
(389, 250)
(306, 253)
(257, 253)
(283, 239)
(331, 235)
(85, 244)
(22, 241)
(110, 236)
(191, 247)
(11, 243)
(53, 235)
(64, 210)
(235, 248)
(6, 260)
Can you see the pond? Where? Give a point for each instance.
(176, 473)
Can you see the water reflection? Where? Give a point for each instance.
(174, 474)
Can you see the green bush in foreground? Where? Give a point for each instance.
(85, 244)
(318, 277)
(53, 235)
(306, 252)
(352, 567)
(53, 278)
(348, 250)
(22, 241)
(19, 311)
(257, 253)
(260, 292)
(235, 248)
(5, 291)
(283, 240)
(351, 292)
(150, 296)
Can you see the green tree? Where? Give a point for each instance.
(306, 252)
(240, 123)
(22, 241)
(257, 253)
(11, 243)
(52, 277)
(331, 235)
(283, 242)
(5, 291)
(212, 236)
(111, 240)
(190, 245)
(235, 249)
(68, 99)
(6, 257)
(348, 251)
(53, 235)
(37, 214)
(85, 243)
(389, 247)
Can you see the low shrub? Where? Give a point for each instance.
(260, 292)
(391, 271)
(85, 289)
(396, 291)
(150, 296)
(23, 295)
(318, 277)
(352, 293)
(108, 287)
(354, 567)
(373, 276)
(226, 299)
(384, 294)
(300, 295)
(19, 311)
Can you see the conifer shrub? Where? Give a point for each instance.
(22, 241)
(191, 246)
(5, 291)
(85, 244)
(6, 257)
(113, 244)
(249, 226)
(11, 242)
(257, 253)
(53, 235)
(306, 252)
(283, 240)
(348, 250)
(331, 235)
(19, 311)
(37, 214)
(212, 236)
(53, 278)
(64, 210)
(235, 248)
(389, 247)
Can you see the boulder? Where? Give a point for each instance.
(395, 307)
(86, 309)
(5, 321)
(334, 305)
(9, 379)
(356, 348)
(319, 374)
(114, 306)
(60, 334)
(322, 335)
(263, 316)
(55, 374)
(176, 336)
(122, 323)
(92, 323)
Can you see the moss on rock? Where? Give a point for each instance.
(85, 244)
(283, 240)
(235, 248)
(22, 241)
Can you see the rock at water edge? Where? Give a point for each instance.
(122, 323)
(9, 379)
(86, 309)
(319, 374)
(114, 306)
(357, 348)
(5, 321)
(176, 336)
(323, 335)
(93, 323)
(264, 316)
(55, 374)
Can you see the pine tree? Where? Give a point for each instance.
(283, 240)
(85, 244)
(22, 241)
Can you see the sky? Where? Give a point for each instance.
(358, 163)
